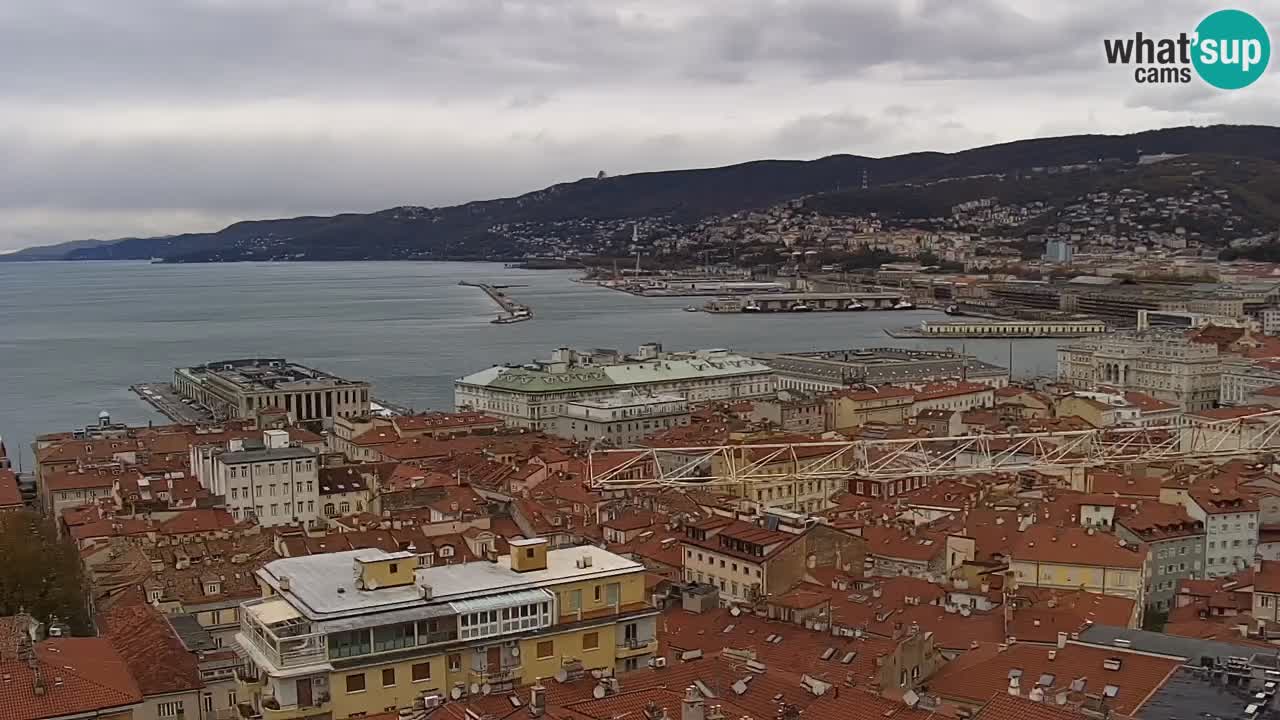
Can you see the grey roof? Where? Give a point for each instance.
(322, 587)
(194, 637)
(252, 456)
(1191, 648)
(1192, 695)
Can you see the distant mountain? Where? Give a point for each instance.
(474, 230)
(54, 252)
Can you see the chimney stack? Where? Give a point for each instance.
(537, 699)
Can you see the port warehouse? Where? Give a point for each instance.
(1059, 328)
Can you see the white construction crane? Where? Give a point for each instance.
(707, 466)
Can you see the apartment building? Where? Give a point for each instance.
(957, 396)
(1074, 558)
(1176, 542)
(535, 395)
(1166, 366)
(365, 632)
(622, 419)
(854, 407)
(746, 562)
(1230, 524)
(276, 485)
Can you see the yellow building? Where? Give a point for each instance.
(346, 634)
(1077, 558)
(854, 407)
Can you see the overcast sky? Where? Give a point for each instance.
(129, 117)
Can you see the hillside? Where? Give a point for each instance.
(479, 229)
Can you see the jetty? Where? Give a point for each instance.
(512, 311)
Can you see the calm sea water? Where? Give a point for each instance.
(74, 336)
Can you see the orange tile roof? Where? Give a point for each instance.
(986, 675)
(10, 497)
(149, 646)
(1076, 546)
(93, 678)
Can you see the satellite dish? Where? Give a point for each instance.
(596, 673)
(371, 584)
(734, 611)
(598, 692)
(515, 651)
(456, 692)
(475, 688)
(485, 689)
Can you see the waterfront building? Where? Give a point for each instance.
(367, 631)
(1242, 378)
(1166, 366)
(622, 419)
(827, 370)
(274, 485)
(241, 388)
(535, 395)
(1012, 328)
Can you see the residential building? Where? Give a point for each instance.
(534, 396)
(1059, 252)
(622, 419)
(10, 494)
(1266, 590)
(1243, 378)
(747, 562)
(1073, 558)
(367, 631)
(240, 388)
(854, 407)
(276, 485)
(60, 490)
(167, 673)
(1176, 543)
(1166, 366)
(62, 678)
(790, 411)
(827, 370)
(949, 396)
(1231, 527)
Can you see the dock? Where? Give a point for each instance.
(1001, 329)
(803, 302)
(512, 311)
(169, 403)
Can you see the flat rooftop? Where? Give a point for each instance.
(265, 374)
(880, 364)
(322, 587)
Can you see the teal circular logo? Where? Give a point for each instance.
(1231, 49)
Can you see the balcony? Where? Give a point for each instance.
(506, 675)
(631, 647)
(316, 711)
(276, 631)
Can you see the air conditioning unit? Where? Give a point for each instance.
(432, 701)
(658, 662)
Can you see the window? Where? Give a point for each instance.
(355, 683)
(591, 641)
(348, 644)
(420, 671)
(455, 662)
(528, 552)
(546, 649)
(169, 709)
(388, 677)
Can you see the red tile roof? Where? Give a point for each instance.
(197, 521)
(1076, 546)
(10, 497)
(149, 646)
(978, 678)
(79, 675)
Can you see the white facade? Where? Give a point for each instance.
(277, 485)
(1166, 367)
(535, 396)
(1231, 538)
(1242, 378)
(623, 419)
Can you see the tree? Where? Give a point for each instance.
(41, 574)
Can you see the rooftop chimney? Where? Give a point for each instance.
(537, 699)
(691, 707)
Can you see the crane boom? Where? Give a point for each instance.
(885, 460)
